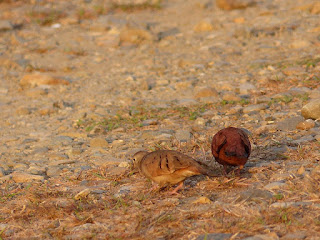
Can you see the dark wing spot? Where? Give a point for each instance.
(177, 159)
(167, 162)
(160, 163)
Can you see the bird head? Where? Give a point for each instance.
(137, 157)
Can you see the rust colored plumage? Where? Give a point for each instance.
(231, 146)
(167, 167)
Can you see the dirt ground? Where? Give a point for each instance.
(85, 84)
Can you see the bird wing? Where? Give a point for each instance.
(218, 141)
(245, 141)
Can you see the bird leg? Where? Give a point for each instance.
(225, 170)
(239, 169)
(175, 191)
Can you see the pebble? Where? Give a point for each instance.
(275, 185)
(289, 124)
(183, 135)
(206, 92)
(21, 177)
(134, 36)
(229, 96)
(246, 88)
(263, 99)
(311, 110)
(168, 33)
(99, 143)
(37, 170)
(306, 125)
(298, 235)
(234, 4)
(5, 25)
(53, 171)
(63, 140)
(215, 236)
(83, 194)
(255, 107)
(202, 200)
(300, 44)
(39, 79)
(203, 26)
(289, 204)
(270, 236)
(255, 195)
(2, 172)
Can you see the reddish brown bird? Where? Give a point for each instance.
(231, 146)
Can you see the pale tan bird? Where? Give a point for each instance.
(167, 167)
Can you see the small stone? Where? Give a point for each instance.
(270, 236)
(83, 194)
(134, 36)
(206, 92)
(263, 99)
(214, 236)
(124, 190)
(289, 124)
(46, 111)
(203, 26)
(234, 110)
(149, 122)
(186, 102)
(300, 44)
(315, 9)
(246, 88)
(289, 71)
(106, 160)
(5, 25)
(36, 92)
(202, 200)
(255, 107)
(274, 185)
(183, 135)
(234, 4)
(54, 171)
(231, 97)
(39, 79)
(21, 177)
(63, 140)
(200, 121)
(168, 33)
(301, 170)
(2, 172)
(5, 178)
(40, 150)
(306, 125)
(99, 143)
(36, 170)
(124, 165)
(23, 111)
(305, 139)
(289, 204)
(239, 20)
(299, 235)
(255, 195)
(311, 110)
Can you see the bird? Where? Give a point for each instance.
(168, 167)
(231, 147)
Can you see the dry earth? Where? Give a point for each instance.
(84, 84)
